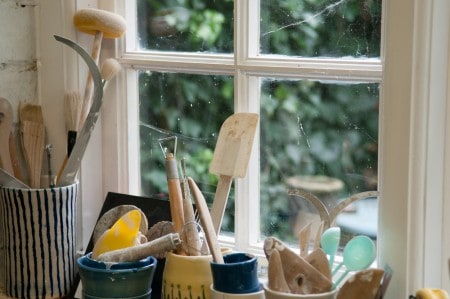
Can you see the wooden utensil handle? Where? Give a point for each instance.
(190, 236)
(176, 204)
(206, 221)
(220, 201)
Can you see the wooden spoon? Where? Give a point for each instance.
(6, 120)
(33, 139)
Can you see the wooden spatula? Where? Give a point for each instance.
(231, 156)
(33, 139)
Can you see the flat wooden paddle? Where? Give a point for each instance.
(231, 156)
(33, 139)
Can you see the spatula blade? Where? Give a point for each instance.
(234, 145)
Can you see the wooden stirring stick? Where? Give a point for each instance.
(206, 221)
(190, 234)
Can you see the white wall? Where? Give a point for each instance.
(36, 68)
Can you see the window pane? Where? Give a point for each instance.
(314, 28)
(194, 26)
(191, 107)
(320, 138)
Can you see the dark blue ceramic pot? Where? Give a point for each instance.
(116, 280)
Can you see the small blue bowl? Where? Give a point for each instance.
(238, 275)
(116, 280)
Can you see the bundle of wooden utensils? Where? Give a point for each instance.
(80, 113)
(313, 273)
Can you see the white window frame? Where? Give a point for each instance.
(414, 144)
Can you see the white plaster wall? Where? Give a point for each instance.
(35, 67)
(18, 61)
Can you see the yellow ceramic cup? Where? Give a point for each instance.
(186, 277)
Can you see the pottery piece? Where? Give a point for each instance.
(186, 277)
(37, 241)
(131, 280)
(270, 294)
(215, 294)
(238, 273)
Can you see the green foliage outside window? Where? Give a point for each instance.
(314, 126)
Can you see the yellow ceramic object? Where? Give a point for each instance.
(124, 233)
(429, 293)
(187, 277)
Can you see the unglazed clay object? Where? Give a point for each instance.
(276, 280)
(271, 294)
(363, 284)
(318, 259)
(301, 276)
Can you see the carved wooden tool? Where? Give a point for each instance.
(190, 235)
(231, 156)
(33, 140)
(205, 218)
(101, 24)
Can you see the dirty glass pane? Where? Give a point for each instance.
(190, 26)
(192, 108)
(313, 28)
(320, 138)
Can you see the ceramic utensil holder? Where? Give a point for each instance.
(215, 294)
(37, 241)
(186, 277)
(238, 274)
(270, 294)
(126, 280)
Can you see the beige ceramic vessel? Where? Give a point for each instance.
(186, 277)
(270, 294)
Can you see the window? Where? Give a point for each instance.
(312, 127)
(412, 140)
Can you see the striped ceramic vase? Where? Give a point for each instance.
(37, 241)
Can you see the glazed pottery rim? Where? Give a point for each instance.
(134, 297)
(260, 290)
(40, 189)
(138, 266)
(251, 259)
(318, 295)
